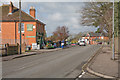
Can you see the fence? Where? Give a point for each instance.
(116, 44)
(12, 46)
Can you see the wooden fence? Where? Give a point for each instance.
(11, 49)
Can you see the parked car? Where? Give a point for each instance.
(73, 44)
(82, 43)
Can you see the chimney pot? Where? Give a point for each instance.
(10, 8)
(32, 11)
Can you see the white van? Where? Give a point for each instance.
(81, 43)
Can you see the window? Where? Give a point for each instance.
(29, 27)
(22, 27)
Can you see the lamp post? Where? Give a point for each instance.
(20, 25)
(113, 46)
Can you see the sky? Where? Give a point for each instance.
(55, 14)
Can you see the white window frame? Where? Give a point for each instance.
(22, 25)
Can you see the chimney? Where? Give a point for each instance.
(10, 8)
(32, 11)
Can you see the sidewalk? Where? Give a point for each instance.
(102, 65)
(33, 52)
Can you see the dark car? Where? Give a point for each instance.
(99, 43)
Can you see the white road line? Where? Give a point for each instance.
(81, 74)
(20, 68)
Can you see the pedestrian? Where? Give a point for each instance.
(62, 44)
(55, 45)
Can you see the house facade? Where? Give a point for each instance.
(92, 38)
(32, 30)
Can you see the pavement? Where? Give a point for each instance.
(32, 52)
(103, 66)
(65, 63)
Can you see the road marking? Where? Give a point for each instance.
(81, 75)
(21, 68)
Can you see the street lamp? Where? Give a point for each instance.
(113, 54)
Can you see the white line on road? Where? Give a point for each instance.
(21, 68)
(81, 74)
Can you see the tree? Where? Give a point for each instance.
(98, 14)
(98, 31)
(117, 8)
(61, 33)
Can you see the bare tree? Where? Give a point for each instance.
(61, 33)
(98, 14)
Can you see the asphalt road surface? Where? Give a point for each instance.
(65, 63)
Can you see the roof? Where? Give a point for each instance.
(83, 35)
(95, 39)
(15, 15)
(95, 34)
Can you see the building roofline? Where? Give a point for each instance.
(21, 21)
(17, 20)
(34, 20)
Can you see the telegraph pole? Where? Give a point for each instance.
(119, 28)
(113, 45)
(20, 25)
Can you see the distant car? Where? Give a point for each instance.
(73, 44)
(82, 43)
(99, 43)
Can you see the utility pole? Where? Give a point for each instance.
(113, 45)
(119, 28)
(20, 25)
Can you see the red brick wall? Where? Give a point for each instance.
(8, 30)
(106, 38)
(28, 33)
(40, 28)
(0, 32)
(32, 12)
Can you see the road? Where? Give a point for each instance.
(65, 63)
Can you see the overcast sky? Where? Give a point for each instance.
(55, 14)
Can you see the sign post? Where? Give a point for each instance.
(20, 25)
(113, 45)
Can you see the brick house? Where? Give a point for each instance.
(33, 30)
(93, 37)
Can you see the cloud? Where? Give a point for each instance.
(74, 20)
(55, 17)
(61, 0)
(76, 26)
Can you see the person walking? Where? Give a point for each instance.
(62, 44)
